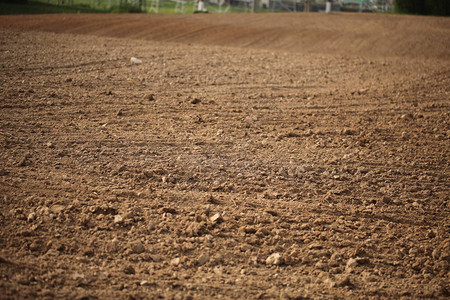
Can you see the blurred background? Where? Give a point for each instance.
(426, 7)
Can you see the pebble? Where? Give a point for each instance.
(251, 119)
(77, 276)
(176, 261)
(275, 259)
(31, 217)
(216, 218)
(218, 270)
(113, 246)
(320, 265)
(343, 280)
(137, 247)
(348, 131)
(144, 283)
(56, 209)
(203, 259)
(306, 260)
(135, 61)
(351, 263)
(118, 219)
(406, 116)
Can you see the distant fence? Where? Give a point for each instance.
(228, 6)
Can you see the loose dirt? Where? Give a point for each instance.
(292, 156)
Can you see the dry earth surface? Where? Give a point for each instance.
(292, 156)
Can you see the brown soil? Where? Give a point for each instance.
(259, 156)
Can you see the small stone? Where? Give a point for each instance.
(176, 261)
(77, 276)
(251, 119)
(253, 260)
(155, 258)
(275, 259)
(320, 265)
(203, 259)
(31, 217)
(56, 209)
(343, 281)
(137, 247)
(113, 246)
(217, 218)
(135, 61)
(218, 270)
(348, 131)
(351, 263)
(406, 116)
(144, 283)
(118, 219)
(151, 97)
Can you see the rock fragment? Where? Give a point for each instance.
(145, 283)
(351, 264)
(203, 259)
(275, 259)
(216, 218)
(31, 217)
(113, 246)
(135, 61)
(348, 131)
(176, 261)
(137, 247)
(118, 219)
(343, 280)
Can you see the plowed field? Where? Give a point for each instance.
(248, 156)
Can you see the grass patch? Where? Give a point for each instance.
(35, 7)
(101, 6)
